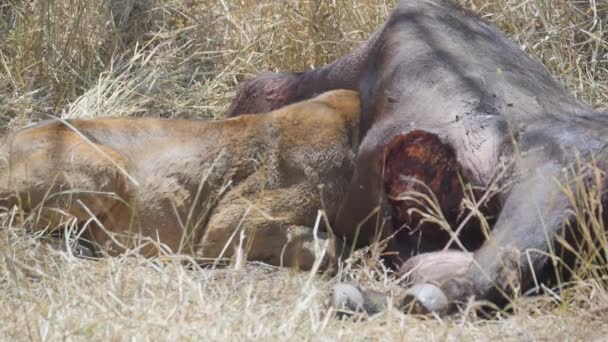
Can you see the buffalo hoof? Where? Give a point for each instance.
(349, 299)
(424, 299)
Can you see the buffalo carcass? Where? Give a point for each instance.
(449, 100)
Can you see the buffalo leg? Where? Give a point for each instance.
(532, 216)
(363, 216)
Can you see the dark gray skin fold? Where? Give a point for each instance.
(434, 67)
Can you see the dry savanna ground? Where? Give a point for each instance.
(183, 59)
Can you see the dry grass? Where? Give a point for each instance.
(49, 295)
(170, 58)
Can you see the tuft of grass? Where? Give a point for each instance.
(57, 50)
(570, 37)
(183, 59)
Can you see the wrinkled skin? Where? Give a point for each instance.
(195, 187)
(437, 81)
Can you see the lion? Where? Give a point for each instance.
(251, 186)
